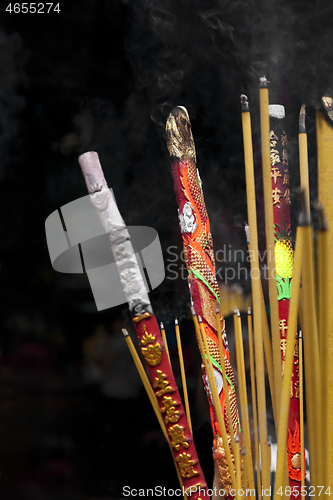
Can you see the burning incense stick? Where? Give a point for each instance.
(200, 262)
(255, 282)
(270, 242)
(182, 371)
(149, 336)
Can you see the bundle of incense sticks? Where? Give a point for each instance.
(297, 297)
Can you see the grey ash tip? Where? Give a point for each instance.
(263, 82)
(125, 332)
(244, 103)
(302, 114)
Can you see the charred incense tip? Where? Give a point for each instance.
(327, 102)
(319, 207)
(269, 441)
(235, 310)
(303, 219)
(238, 313)
(193, 311)
(217, 309)
(249, 311)
(125, 332)
(302, 114)
(176, 321)
(179, 136)
(237, 438)
(161, 326)
(244, 103)
(247, 233)
(300, 334)
(243, 450)
(263, 82)
(199, 319)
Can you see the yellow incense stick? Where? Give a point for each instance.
(301, 402)
(255, 282)
(182, 371)
(270, 241)
(245, 474)
(285, 395)
(243, 395)
(212, 384)
(311, 359)
(238, 469)
(145, 381)
(254, 401)
(325, 182)
(165, 341)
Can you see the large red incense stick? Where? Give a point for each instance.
(200, 262)
(284, 273)
(146, 326)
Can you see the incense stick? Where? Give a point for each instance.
(165, 341)
(301, 402)
(145, 381)
(243, 396)
(270, 241)
(285, 395)
(182, 371)
(255, 277)
(254, 401)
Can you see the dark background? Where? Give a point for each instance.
(103, 75)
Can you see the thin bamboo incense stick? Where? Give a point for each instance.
(145, 381)
(211, 378)
(301, 402)
(182, 371)
(165, 341)
(303, 159)
(245, 475)
(219, 335)
(285, 395)
(269, 445)
(255, 282)
(265, 334)
(254, 401)
(325, 182)
(238, 469)
(311, 358)
(243, 396)
(270, 241)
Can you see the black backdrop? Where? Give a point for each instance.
(103, 75)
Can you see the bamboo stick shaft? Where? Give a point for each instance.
(304, 169)
(254, 402)
(256, 284)
(270, 241)
(243, 396)
(301, 402)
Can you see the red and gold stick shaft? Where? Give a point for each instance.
(284, 261)
(200, 262)
(147, 330)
